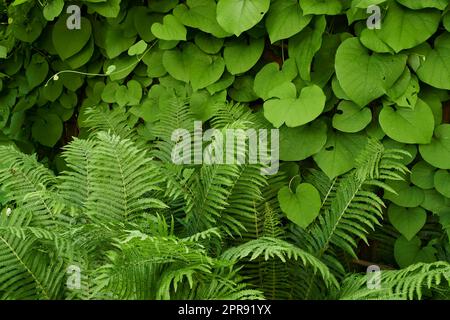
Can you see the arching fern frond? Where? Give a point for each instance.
(116, 178)
(76, 184)
(28, 269)
(352, 207)
(114, 121)
(409, 283)
(176, 115)
(25, 183)
(270, 248)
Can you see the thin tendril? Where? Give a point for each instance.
(101, 74)
(292, 179)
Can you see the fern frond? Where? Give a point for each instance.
(351, 208)
(175, 115)
(122, 183)
(408, 283)
(229, 113)
(270, 248)
(27, 271)
(114, 121)
(25, 183)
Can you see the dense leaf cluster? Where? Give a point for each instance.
(364, 120)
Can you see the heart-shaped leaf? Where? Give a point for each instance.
(225, 81)
(404, 28)
(109, 92)
(442, 182)
(208, 43)
(404, 92)
(108, 9)
(170, 29)
(446, 21)
(370, 39)
(406, 251)
(113, 38)
(194, 66)
(407, 195)
(437, 153)
(155, 67)
(52, 9)
(365, 77)
(301, 207)
(200, 14)
(351, 118)
(242, 89)
(69, 42)
(339, 153)
(302, 142)
(203, 104)
(82, 57)
(269, 78)
(408, 221)
(422, 175)
(237, 16)
(241, 56)
(408, 125)
(296, 112)
(435, 69)
(134, 92)
(121, 96)
(434, 201)
(47, 129)
(144, 17)
(36, 71)
(284, 19)
(52, 90)
(162, 5)
(409, 252)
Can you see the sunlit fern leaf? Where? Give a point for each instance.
(76, 184)
(114, 121)
(25, 182)
(245, 193)
(212, 188)
(204, 235)
(229, 113)
(124, 178)
(264, 208)
(27, 271)
(411, 280)
(230, 191)
(355, 287)
(321, 181)
(176, 115)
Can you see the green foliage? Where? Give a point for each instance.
(87, 181)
